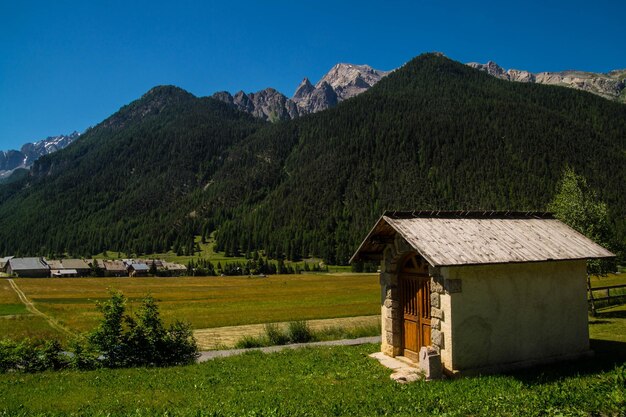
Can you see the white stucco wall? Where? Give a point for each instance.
(514, 313)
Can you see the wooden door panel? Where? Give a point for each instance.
(411, 336)
(414, 285)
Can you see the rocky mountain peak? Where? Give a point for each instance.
(349, 80)
(342, 82)
(267, 104)
(304, 90)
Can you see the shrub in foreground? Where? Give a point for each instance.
(299, 332)
(275, 335)
(143, 340)
(31, 356)
(248, 342)
(120, 340)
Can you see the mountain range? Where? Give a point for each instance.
(342, 82)
(345, 81)
(30, 152)
(433, 134)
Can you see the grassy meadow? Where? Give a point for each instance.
(205, 302)
(337, 381)
(326, 381)
(16, 321)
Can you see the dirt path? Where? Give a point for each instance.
(206, 356)
(31, 307)
(226, 337)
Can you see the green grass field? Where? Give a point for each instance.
(340, 381)
(610, 279)
(205, 302)
(15, 319)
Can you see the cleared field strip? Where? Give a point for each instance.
(226, 337)
(31, 307)
(210, 301)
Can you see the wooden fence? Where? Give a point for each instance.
(609, 296)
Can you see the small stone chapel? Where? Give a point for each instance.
(482, 291)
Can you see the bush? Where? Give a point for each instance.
(107, 337)
(299, 332)
(120, 340)
(31, 356)
(248, 342)
(51, 356)
(180, 345)
(84, 357)
(124, 340)
(9, 358)
(275, 336)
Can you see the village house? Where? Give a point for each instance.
(476, 292)
(157, 262)
(68, 268)
(3, 263)
(63, 273)
(81, 267)
(174, 269)
(112, 268)
(138, 270)
(28, 267)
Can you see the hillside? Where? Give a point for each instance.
(122, 184)
(434, 134)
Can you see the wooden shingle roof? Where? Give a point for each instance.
(470, 238)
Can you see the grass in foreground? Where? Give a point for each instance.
(312, 382)
(329, 381)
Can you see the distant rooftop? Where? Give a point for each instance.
(27, 264)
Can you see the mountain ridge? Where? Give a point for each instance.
(29, 152)
(434, 134)
(344, 81)
(610, 85)
(341, 82)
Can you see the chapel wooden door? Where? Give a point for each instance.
(415, 300)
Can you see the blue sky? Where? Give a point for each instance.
(67, 65)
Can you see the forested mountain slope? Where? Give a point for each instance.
(434, 134)
(122, 185)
